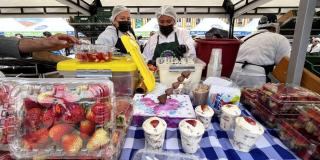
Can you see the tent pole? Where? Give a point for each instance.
(300, 41)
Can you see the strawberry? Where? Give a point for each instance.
(30, 103)
(98, 140)
(86, 128)
(101, 113)
(76, 114)
(71, 143)
(204, 108)
(58, 130)
(90, 115)
(192, 122)
(48, 118)
(250, 120)
(33, 118)
(37, 139)
(154, 123)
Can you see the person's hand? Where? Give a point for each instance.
(152, 66)
(180, 50)
(59, 41)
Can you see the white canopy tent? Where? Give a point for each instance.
(9, 24)
(206, 24)
(51, 25)
(152, 25)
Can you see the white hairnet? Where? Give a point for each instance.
(269, 20)
(117, 10)
(315, 39)
(167, 11)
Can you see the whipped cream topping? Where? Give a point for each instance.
(150, 129)
(207, 113)
(231, 109)
(190, 130)
(250, 125)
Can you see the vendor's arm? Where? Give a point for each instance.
(108, 37)
(188, 41)
(12, 47)
(52, 43)
(283, 49)
(148, 50)
(9, 47)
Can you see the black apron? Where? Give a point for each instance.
(119, 45)
(166, 49)
(267, 68)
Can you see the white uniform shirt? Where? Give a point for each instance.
(266, 48)
(183, 37)
(109, 36)
(315, 49)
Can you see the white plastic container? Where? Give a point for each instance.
(171, 69)
(229, 114)
(246, 134)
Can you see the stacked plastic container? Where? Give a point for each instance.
(277, 101)
(64, 118)
(303, 135)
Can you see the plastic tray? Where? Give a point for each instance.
(304, 146)
(281, 98)
(161, 155)
(266, 116)
(67, 118)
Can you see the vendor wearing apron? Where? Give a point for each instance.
(259, 53)
(121, 20)
(171, 40)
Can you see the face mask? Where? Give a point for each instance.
(124, 26)
(166, 30)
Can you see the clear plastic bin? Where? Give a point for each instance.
(122, 70)
(93, 53)
(162, 155)
(63, 118)
(282, 98)
(170, 69)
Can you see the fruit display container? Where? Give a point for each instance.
(305, 146)
(248, 97)
(282, 98)
(93, 53)
(267, 117)
(124, 111)
(63, 118)
(7, 116)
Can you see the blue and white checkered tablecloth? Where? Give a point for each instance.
(215, 144)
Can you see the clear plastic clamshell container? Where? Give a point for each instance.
(144, 154)
(124, 112)
(64, 118)
(299, 140)
(248, 97)
(7, 113)
(268, 117)
(282, 98)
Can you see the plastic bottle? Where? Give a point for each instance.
(215, 66)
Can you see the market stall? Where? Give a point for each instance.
(182, 115)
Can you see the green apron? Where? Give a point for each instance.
(166, 49)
